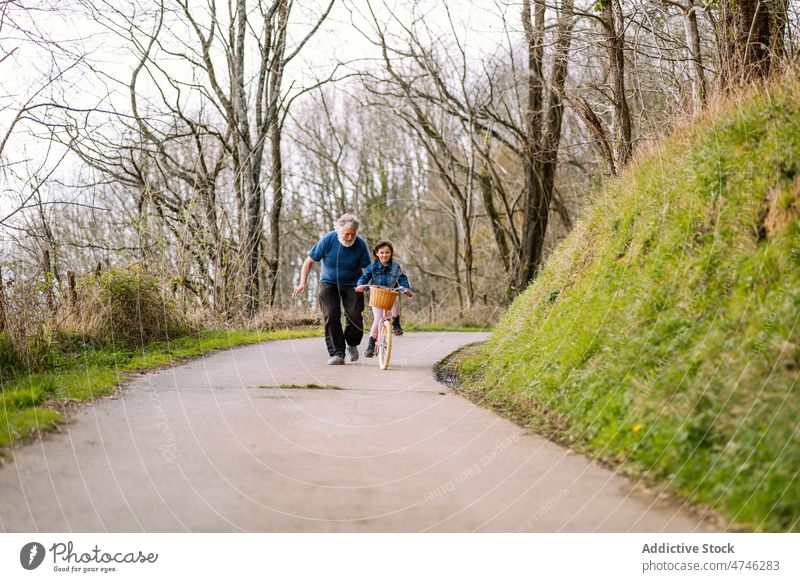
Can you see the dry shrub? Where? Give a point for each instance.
(26, 328)
(128, 306)
(10, 359)
(270, 319)
(203, 317)
(267, 319)
(479, 316)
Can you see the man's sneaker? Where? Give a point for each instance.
(336, 360)
(396, 329)
(370, 351)
(352, 353)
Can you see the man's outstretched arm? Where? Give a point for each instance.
(303, 277)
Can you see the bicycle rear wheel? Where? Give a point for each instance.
(384, 344)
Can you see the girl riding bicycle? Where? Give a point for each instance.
(387, 273)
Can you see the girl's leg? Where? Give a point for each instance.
(377, 316)
(396, 307)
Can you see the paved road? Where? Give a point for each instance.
(206, 447)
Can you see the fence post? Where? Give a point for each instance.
(73, 292)
(2, 304)
(49, 280)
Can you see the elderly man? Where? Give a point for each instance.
(344, 255)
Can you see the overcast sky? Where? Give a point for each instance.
(340, 39)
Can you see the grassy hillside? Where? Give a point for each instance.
(663, 333)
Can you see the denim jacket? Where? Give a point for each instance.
(389, 276)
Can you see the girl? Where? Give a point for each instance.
(386, 273)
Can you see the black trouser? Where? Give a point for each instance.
(331, 300)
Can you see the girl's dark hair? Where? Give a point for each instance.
(380, 245)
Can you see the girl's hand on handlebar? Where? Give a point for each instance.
(408, 293)
(360, 289)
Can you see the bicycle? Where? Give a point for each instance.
(384, 298)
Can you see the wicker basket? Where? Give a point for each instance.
(382, 298)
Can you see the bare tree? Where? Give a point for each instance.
(219, 91)
(415, 78)
(463, 152)
(436, 81)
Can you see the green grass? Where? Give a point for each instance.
(302, 387)
(83, 373)
(438, 327)
(662, 335)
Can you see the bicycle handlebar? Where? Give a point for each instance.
(398, 289)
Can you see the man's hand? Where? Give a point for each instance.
(300, 289)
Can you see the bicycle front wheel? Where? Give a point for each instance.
(384, 344)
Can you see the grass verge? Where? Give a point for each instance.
(438, 327)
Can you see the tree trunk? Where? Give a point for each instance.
(751, 37)
(457, 265)
(249, 167)
(468, 256)
(544, 121)
(275, 125)
(275, 214)
(535, 220)
(215, 247)
(487, 194)
(614, 27)
(554, 114)
(253, 250)
(693, 47)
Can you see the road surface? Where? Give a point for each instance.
(215, 446)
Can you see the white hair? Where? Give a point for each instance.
(345, 220)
